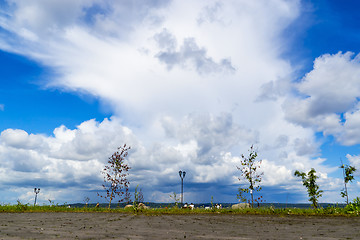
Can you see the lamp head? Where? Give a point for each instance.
(182, 174)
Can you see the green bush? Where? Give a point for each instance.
(353, 207)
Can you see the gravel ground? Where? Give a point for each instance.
(196, 226)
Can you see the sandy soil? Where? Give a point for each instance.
(204, 226)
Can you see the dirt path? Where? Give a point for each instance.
(204, 226)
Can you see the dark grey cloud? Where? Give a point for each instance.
(43, 182)
(282, 141)
(166, 40)
(268, 91)
(189, 53)
(272, 90)
(211, 13)
(305, 147)
(213, 134)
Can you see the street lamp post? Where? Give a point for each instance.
(182, 175)
(36, 191)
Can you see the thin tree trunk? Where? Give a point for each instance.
(346, 193)
(251, 187)
(252, 199)
(111, 196)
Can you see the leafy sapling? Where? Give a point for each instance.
(175, 198)
(115, 179)
(309, 181)
(348, 175)
(250, 172)
(138, 198)
(86, 201)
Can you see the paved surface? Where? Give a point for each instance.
(199, 226)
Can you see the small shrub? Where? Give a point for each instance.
(353, 207)
(138, 198)
(21, 207)
(175, 198)
(309, 181)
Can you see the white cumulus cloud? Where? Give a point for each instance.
(329, 100)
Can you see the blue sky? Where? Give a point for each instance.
(189, 85)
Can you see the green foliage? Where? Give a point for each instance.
(175, 198)
(115, 179)
(249, 172)
(349, 170)
(213, 207)
(138, 198)
(21, 207)
(353, 207)
(240, 195)
(309, 181)
(348, 174)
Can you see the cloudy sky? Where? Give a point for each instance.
(189, 85)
